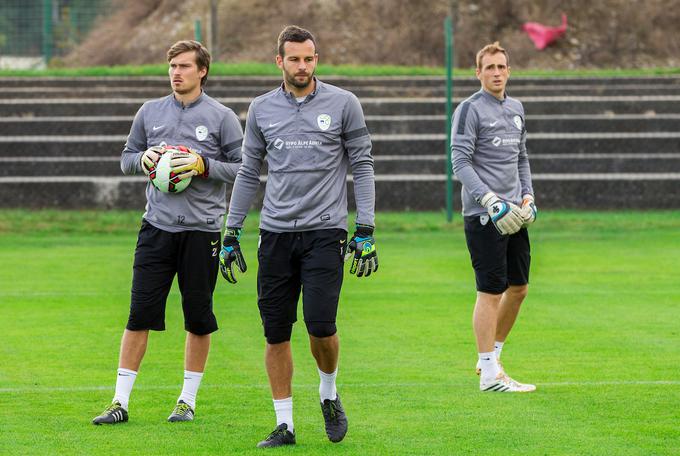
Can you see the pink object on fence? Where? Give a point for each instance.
(543, 35)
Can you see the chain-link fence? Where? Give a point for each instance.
(42, 30)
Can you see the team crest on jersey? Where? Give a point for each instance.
(518, 122)
(324, 121)
(201, 132)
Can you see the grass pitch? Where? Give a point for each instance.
(598, 334)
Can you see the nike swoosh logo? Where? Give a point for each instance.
(493, 124)
(342, 242)
(214, 243)
(274, 124)
(158, 127)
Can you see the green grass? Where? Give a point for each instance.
(269, 69)
(598, 334)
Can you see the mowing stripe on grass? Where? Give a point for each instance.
(41, 390)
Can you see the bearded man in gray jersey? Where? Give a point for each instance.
(310, 133)
(180, 232)
(489, 157)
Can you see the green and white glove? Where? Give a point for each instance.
(150, 159)
(528, 210)
(361, 248)
(506, 217)
(231, 254)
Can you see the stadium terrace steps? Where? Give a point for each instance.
(616, 139)
(377, 124)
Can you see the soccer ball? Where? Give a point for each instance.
(164, 179)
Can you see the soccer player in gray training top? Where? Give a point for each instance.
(310, 134)
(180, 232)
(489, 156)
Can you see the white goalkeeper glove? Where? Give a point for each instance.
(506, 217)
(528, 210)
(150, 158)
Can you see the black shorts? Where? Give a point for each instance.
(193, 256)
(307, 261)
(498, 261)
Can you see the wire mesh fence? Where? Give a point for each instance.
(46, 29)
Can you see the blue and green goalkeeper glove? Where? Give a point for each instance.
(230, 254)
(361, 248)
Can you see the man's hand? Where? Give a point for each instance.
(528, 210)
(361, 248)
(150, 158)
(506, 217)
(230, 254)
(186, 162)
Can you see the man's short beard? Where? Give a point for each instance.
(300, 85)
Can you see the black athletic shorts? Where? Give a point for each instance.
(498, 261)
(193, 256)
(311, 261)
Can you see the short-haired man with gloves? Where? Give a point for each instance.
(311, 134)
(180, 232)
(489, 157)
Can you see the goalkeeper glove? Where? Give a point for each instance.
(361, 248)
(150, 159)
(188, 163)
(230, 254)
(505, 216)
(528, 210)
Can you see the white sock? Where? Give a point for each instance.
(327, 388)
(192, 380)
(284, 412)
(498, 348)
(489, 366)
(124, 382)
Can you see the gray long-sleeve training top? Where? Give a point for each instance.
(204, 125)
(488, 150)
(309, 147)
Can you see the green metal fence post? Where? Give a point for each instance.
(448, 32)
(198, 36)
(47, 42)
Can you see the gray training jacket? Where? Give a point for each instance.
(488, 150)
(205, 126)
(309, 147)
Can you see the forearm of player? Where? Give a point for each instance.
(130, 162)
(222, 171)
(364, 195)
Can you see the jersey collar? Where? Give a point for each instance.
(289, 95)
(196, 102)
(491, 98)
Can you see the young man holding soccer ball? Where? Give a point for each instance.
(180, 232)
(489, 157)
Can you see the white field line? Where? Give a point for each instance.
(397, 385)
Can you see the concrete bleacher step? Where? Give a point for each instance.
(624, 104)
(376, 91)
(377, 124)
(409, 144)
(384, 165)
